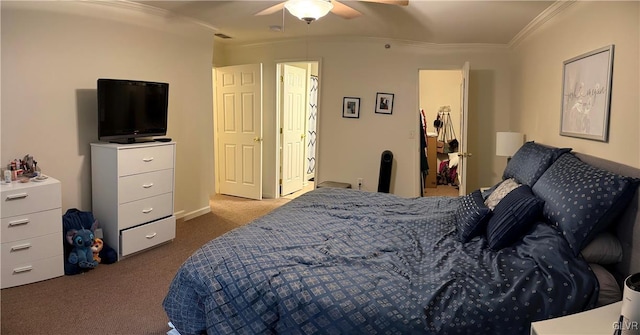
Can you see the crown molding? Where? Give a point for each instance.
(551, 11)
(155, 11)
(372, 40)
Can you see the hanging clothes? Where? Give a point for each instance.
(424, 164)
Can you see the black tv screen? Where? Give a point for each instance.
(128, 109)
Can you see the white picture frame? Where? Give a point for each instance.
(586, 95)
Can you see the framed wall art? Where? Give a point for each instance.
(384, 103)
(586, 95)
(351, 107)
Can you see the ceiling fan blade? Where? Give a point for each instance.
(390, 2)
(343, 10)
(271, 10)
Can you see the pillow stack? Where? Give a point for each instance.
(506, 214)
(511, 207)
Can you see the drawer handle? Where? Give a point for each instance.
(147, 185)
(150, 236)
(148, 159)
(18, 222)
(17, 196)
(21, 247)
(23, 269)
(147, 211)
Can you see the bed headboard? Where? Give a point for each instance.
(628, 226)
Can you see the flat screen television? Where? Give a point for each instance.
(129, 110)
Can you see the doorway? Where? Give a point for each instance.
(441, 98)
(297, 108)
(248, 145)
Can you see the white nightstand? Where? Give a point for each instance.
(598, 321)
(31, 232)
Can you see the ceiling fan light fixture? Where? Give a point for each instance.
(308, 10)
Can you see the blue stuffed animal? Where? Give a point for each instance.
(81, 240)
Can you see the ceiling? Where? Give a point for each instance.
(440, 22)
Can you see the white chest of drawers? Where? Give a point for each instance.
(31, 233)
(132, 190)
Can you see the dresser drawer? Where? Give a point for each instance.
(31, 249)
(146, 159)
(30, 272)
(148, 235)
(29, 225)
(37, 198)
(145, 210)
(144, 185)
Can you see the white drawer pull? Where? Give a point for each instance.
(150, 236)
(17, 196)
(21, 247)
(18, 222)
(147, 211)
(147, 185)
(23, 269)
(147, 159)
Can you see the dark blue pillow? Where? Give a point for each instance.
(582, 200)
(471, 216)
(530, 162)
(513, 215)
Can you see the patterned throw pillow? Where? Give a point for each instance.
(582, 200)
(530, 162)
(471, 216)
(500, 192)
(512, 217)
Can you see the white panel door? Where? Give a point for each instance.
(463, 164)
(239, 128)
(294, 88)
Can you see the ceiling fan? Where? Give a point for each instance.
(311, 10)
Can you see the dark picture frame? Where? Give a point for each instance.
(384, 103)
(351, 107)
(586, 95)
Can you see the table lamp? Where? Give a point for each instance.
(507, 143)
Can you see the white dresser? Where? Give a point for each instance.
(31, 234)
(132, 189)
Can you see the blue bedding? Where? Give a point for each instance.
(341, 261)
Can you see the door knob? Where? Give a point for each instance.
(257, 139)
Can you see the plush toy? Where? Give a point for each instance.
(82, 240)
(95, 248)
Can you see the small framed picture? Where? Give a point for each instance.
(351, 107)
(384, 103)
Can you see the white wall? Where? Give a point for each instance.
(538, 65)
(358, 67)
(52, 54)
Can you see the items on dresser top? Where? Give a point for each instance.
(132, 188)
(31, 232)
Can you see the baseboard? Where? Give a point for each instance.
(194, 214)
(178, 214)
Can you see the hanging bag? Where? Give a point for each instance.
(446, 137)
(453, 142)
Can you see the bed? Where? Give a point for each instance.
(343, 261)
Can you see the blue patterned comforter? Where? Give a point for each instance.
(340, 261)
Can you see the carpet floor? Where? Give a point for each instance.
(124, 297)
